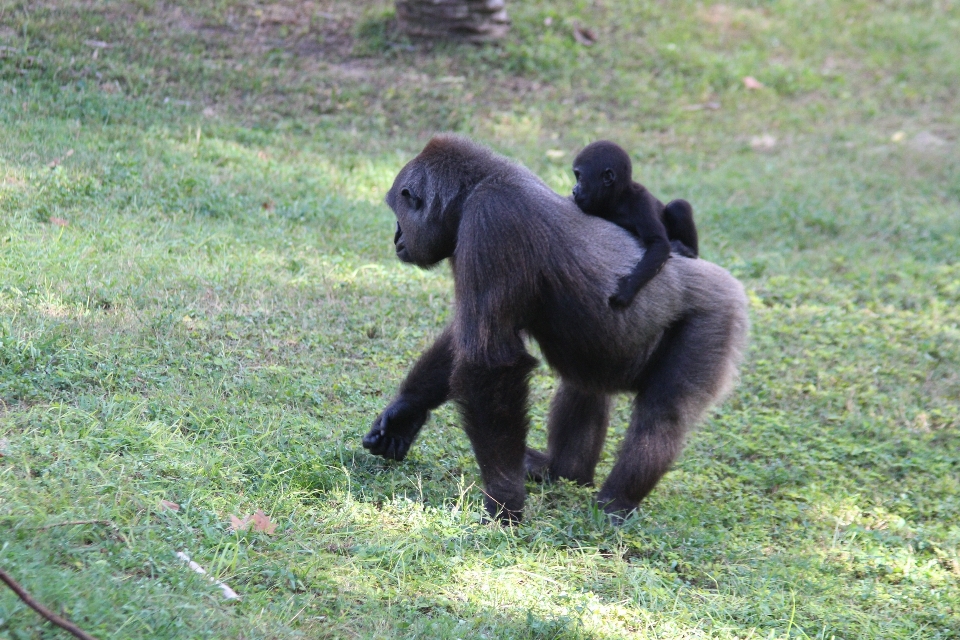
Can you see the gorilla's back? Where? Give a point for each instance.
(588, 256)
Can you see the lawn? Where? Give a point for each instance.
(201, 314)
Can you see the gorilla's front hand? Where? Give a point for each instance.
(393, 431)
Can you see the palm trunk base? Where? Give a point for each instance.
(466, 20)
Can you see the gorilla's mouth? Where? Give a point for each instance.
(579, 199)
(401, 246)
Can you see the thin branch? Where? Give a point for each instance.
(108, 523)
(42, 610)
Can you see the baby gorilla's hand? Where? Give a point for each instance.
(624, 295)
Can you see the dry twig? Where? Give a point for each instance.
(108, 523)
(63, 623)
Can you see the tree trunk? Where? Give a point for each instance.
(469, 20)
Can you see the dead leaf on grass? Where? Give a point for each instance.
(60, 222)
(56, 161)
(752, 83)
(169, 506)
(259, 521)
(765, 142)
(584, 36)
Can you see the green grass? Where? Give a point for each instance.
(222, 318)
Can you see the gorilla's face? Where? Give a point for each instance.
(603, 171)
(595, 186)
(423, 237)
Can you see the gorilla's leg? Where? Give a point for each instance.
(426, 387)
(678, 219)
(692, 366)
(494, 405)
(576, 430)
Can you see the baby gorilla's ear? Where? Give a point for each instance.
(609, 177)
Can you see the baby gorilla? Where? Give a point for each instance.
(605, 188)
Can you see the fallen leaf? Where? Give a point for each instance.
(584, 36)
(766, 142)
(171, 506)
(261, 522)
(236, 524)
(60, 222)
(898, 136)
(556, 154)
(752, 83)
(56, 161)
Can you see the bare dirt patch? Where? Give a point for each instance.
(734, 20)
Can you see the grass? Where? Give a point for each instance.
(221, 317)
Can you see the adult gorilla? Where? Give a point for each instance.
(528, 262)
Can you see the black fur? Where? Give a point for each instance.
(605, 188)
(527, 262)
(427, 387)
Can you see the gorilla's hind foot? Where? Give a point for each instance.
(536, 464)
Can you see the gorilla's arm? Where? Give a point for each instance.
(426, 387)
(495, 292)
(647, 227)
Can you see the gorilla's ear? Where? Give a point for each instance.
(609, 177)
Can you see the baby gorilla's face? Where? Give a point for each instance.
(603, 171)
(591, 191)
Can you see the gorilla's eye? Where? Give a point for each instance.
(576, 174)
(415, 202)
